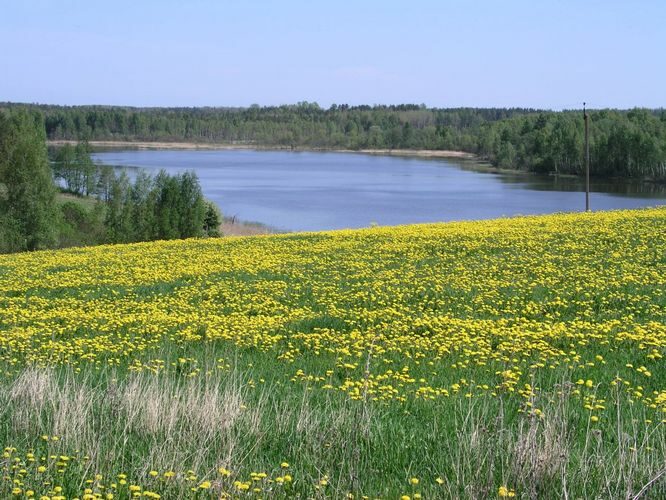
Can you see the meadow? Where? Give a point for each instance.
(516, 357)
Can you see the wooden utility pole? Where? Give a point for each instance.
(587, 159)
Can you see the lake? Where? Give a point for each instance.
(311, 191)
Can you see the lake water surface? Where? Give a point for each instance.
(311, 191)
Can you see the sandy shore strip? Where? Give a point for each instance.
(155, 145)
(422, 153)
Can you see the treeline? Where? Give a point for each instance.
(163, 207)
(623, 143)
(149, 208)
(102, 207)
(301, 125)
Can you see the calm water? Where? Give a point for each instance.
(304, 191)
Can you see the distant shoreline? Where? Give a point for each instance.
(190, 146)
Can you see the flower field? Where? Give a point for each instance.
(517, 357)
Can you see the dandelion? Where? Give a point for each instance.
(505, 492)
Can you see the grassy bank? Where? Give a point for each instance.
(231, 226)
(478, 359)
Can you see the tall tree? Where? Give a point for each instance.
(192, 206)
(63, 165)
(27, 191)
(212, 219)
(143, 207)
(118, 211)
(167, 206)
(85, 167)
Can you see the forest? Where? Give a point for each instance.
(623, 143)
(87, 204)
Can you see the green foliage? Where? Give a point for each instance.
(624, 143)
(28, 212)
(161, 208)
(80, 225)
(63, 166)
(212, 219)
(192, 206)
(86, 167)
(75, 168)
(11, 239)
(143, 215)
(166, 207)
(118, 211)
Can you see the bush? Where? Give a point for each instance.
(81, 226)
(212, 219)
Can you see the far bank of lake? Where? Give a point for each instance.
(211, 146)
(311, 191)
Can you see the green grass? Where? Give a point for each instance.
(86, 202)
(461, 355)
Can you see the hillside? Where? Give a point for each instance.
(508, 357)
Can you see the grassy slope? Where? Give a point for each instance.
(523, 353)
(86, 202)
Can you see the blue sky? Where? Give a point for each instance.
(547, 53)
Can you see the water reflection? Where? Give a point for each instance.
(569, 183)
(630, 187)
